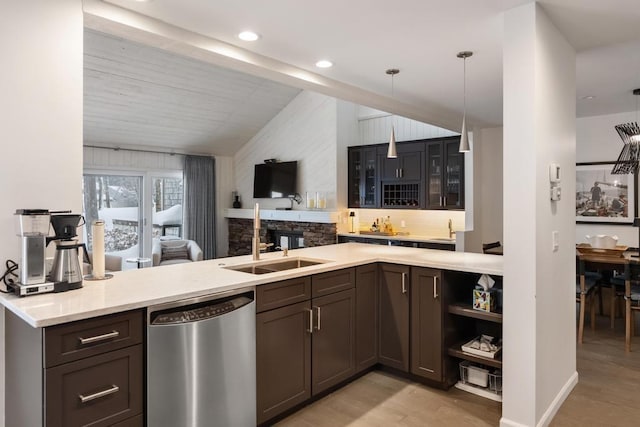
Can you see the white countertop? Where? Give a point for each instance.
(408, 238)
(145, 287)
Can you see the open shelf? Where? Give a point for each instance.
(456, 351)
(461, 309)
(479, 391)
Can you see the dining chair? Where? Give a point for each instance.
(487, 246)
(632, 305)
(587, 289)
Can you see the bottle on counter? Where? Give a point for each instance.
(388, 227)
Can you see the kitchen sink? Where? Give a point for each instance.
(270, 266)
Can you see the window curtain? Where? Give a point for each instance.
(199, 201)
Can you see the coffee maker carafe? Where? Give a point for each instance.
(66, 270)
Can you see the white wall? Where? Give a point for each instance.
(539, 128)
(41, 110)
(375, 128)
(483, 189)
(489, 187)
(348, 134)
(305, 130)
(598, 141)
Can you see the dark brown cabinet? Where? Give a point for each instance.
(407, 166)
(89, 372)
(304, 348)
(427, 174)
(393, 337)
(426, 323)
(444, 174)
(283, 355)
(363, 177)
(366, 316)
(402, 183)
(333, 340)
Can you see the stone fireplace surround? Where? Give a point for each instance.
(241, 233)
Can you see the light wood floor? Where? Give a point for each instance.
(608, 394)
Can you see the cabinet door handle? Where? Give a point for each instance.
(440, 200)
(113, 389)
(98, 338)
(401, 173)
(310, 330)
(435, 287)
(445, 201)
(404, 283)
(397, 173)
(318, 320)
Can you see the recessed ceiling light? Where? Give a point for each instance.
(587, 97)
(324, 64)
(248, 36)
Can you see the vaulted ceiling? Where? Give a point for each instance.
(365, 37)
(135, 95)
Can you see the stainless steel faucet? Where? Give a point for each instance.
(451, 232)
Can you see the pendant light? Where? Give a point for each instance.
(629, 158)
(392, 152)
(464, 137)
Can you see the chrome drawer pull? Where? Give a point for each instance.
(84, 399)
(97, 338)
(318, 326)
(404, 286)
(310, 330)
(435, 287)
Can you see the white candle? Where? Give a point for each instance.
(97, 231)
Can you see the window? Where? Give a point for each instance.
(125, 201)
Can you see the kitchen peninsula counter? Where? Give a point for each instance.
(133, 289)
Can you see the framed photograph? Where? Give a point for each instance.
(602, 197)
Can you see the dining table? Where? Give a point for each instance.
(625, 263)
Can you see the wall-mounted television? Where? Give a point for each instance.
(275, 180)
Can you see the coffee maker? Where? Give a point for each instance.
(66, 271)
(32, 226)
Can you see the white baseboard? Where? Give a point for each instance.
(553, 408)
(551, 411)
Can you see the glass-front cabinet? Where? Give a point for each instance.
(363, 177)
(427, 174)
(445, 175)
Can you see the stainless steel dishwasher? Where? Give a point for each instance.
(201, 362)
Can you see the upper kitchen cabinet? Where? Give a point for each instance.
(401, 179)
(427, 174)
(444, 174)
(363, 177)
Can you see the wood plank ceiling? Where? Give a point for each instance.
(139, 96)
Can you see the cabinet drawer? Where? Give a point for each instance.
(137, 421)
(77, 340)
(97, 391)
(279, 294)
(332, 282)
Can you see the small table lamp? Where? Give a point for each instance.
(352, 216)
(636, 223)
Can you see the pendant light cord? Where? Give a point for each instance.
(464, 87)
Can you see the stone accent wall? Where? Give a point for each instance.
(241, 233)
